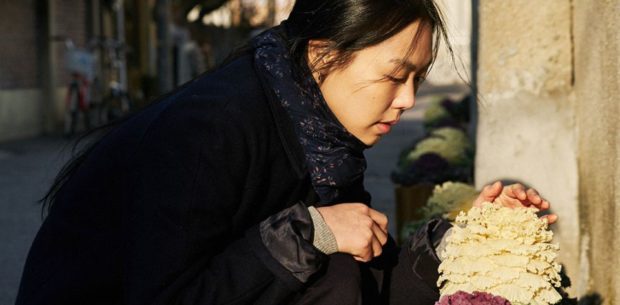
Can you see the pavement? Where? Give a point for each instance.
(27, 168)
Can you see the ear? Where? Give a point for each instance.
(316, 55)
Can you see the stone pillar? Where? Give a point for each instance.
(526, 130)
(597, 91)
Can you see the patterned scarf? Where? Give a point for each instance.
(334, 157)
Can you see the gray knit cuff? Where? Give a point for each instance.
(324, 239)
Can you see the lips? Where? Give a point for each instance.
(386, 126)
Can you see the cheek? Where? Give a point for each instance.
(358, 101)
(376, 99)
(366, 108)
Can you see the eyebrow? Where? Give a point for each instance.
(408, 65)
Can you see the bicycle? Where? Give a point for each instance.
(80, 63)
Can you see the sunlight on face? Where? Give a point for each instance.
(366, 97)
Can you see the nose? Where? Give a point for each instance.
(405, 96)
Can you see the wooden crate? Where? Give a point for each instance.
(409, 200)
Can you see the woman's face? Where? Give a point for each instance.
(365, 96)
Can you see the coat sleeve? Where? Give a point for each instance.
(407, 274)
(414, 278)
(188, 180)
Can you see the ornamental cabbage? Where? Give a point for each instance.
(454, 135)
(435, 113)
(453, 152)
(502, 251)
(449, 199)
(475, 298)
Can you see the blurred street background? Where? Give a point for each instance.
(543, 80)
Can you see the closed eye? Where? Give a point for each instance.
(396, 79)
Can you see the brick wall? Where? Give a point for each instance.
(18, 41)
(70, 17)
(21, 32)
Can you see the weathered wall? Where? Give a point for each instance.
(549, 79)
(526, 128)
(19, 113)
(597, 90)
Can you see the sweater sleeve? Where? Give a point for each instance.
(179, 249)
(324, 238)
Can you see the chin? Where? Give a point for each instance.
(371, 141)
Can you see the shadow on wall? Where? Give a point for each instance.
(592, 298)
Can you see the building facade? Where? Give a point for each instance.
(29, 59)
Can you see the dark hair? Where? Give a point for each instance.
(346, 25)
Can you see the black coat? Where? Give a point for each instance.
(198, 199)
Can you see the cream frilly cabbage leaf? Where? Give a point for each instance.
(502, 251)
(449, 199)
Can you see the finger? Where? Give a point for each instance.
(367, 254)
(544, 205)
(497, 187)
(518, 191)
(533, 197)
(377, 248)
(364, 248)
(511, 192)
(551, 218)
(380, 219)
(380, 235)
(360, 259)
